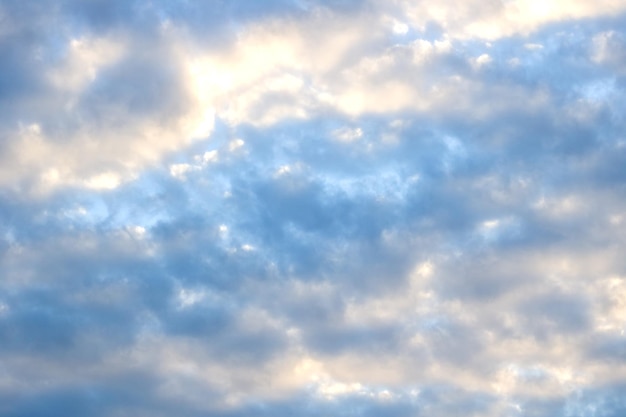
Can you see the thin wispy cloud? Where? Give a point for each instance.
(305, 208)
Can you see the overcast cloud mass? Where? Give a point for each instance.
(381, 208)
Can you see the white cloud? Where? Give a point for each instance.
(493, 20)
(483, 59)
(275, 71)
(85, 58)
(105, 181)
(179, 170)
(346, 134)
(400, 28)
(377, 185)
(236, 144)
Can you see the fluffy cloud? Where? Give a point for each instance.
(312, 208)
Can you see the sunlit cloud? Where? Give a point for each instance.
(304, 208)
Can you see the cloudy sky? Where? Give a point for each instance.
(385, 208)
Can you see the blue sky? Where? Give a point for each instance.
(313, 208)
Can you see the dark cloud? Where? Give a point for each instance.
(555, 313)
(610, 348)
(135, 393)
(147, 85)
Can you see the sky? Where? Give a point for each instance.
(304, 208)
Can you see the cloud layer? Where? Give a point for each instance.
(304, 208)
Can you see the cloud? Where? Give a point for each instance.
(312, 208)
(496, 20)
